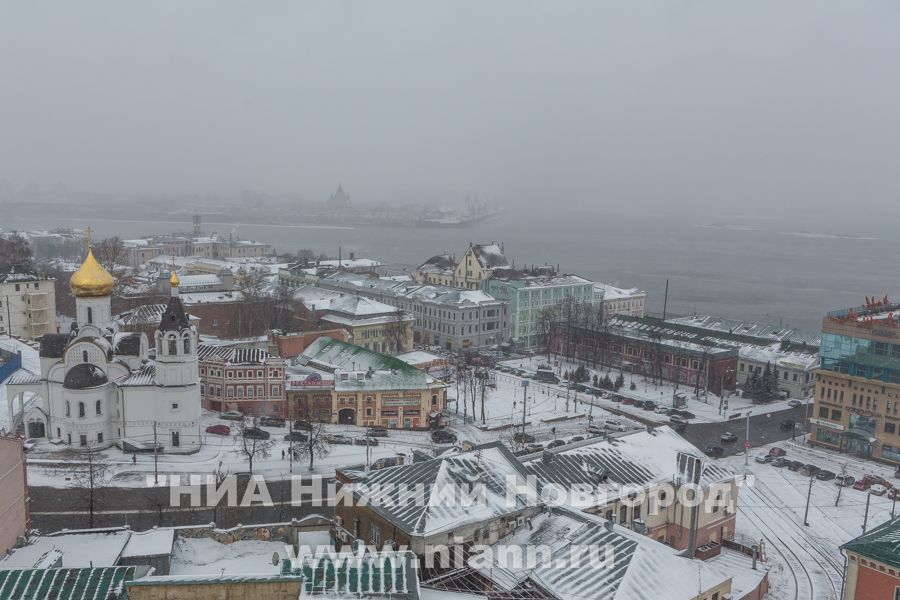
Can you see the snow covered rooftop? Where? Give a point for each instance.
(395, 496)
(232, 355)
(642, 458)
(341, 302)
(611, 292)
(490, 256)
(211, 297)
(78, 550)
(154, 542)
(763, 331)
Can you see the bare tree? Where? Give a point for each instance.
(316, 444)
(396, 331)
(252, 447)
(15, 251)
(89, 474)
(844, 468)
(110, 252)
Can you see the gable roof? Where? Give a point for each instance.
(642, 458)
(435, 496)
(490, 256)
(331, 354)
(233, 355)
(881, 544)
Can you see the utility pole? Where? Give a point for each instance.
(808, 494)
(155, 457)
(665, 300)
(893, 506)
(747, 441)
(524, 399)
(290, 445)
(866, 517)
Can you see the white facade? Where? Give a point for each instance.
(27, 305)
(619, 301)
(98, 388)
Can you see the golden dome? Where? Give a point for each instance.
(173, 280)
(91, 280)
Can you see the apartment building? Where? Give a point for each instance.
(27, 303)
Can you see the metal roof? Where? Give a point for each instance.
(881, 544)
(107, 583)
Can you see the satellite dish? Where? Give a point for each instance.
(276, 560)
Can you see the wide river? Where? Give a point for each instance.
(758, 270)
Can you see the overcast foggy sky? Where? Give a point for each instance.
(765, 103)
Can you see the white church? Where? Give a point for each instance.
(99, 387)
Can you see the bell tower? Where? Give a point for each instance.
(176, 343)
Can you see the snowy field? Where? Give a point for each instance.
(805, 561)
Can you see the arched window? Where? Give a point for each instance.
(81, 409)
(68, 409)
(99, 408)
(173, 346)
(84, 356)
(187, 344)
(90, 315)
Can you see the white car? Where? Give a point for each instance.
(615, 425)
(878, 490)
(795, 403)
(661, 410)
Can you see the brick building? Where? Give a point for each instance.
(692, 364)
(289, 345)
(246, 379)
(873, 564)
(14, 519)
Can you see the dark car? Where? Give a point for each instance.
(714, 451)
(688, 414)
(378, 432)
(780, 462)
(365, 441)
(556, 444)
(649, 405)
(615, 398)
(523, 438)
(577, 438)
(271, 421)
(336, 438)
(787, 424)
(296, 436)
(776, 451)
(794, 465)
(442, 436)
(219, 429)
(255, 433)
(728, 437)
(638, 403)
(825, 475)
(810, 470)
(304, 425)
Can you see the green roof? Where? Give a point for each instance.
(357, 573)
(106, 583)
(881, 544)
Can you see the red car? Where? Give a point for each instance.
(870, 480)
(219, 429)
(776, 452)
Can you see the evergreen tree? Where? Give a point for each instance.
(620, 381)
(607, 382)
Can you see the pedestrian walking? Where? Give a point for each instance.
(134, 459)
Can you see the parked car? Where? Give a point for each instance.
(443, 436)
(255, 433)
(787, 424)
(268, 421)
(627, 400)
(795, 465)
(688, 414)
(778, 451)
(825, 475)
(556, 444)
(303, 425)
(596, 430)
(649, 405)
(795, 403)
(336, 438)
(577, 438)
(523, 438)
(780, 462)
(616, 398)
(365, 441)
(894, 494)
(728, 437)
(677, 420)
(615, 425)
(232, 415)
(714, 451)
(810, 470)
(532, 448)
(378, 432)
(638, 403)
(868, 481)
(219, 429)
(296, 436)
(878, 490)
(763, 458)
(844, 480)
(662, 410)
(546, 376)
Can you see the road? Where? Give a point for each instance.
(765, 428)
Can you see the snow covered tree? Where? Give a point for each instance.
(620, 381)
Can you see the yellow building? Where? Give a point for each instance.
(476, 266)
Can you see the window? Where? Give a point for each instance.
(260, 391)
(68, 409)
(823, 412)
(890, 428)
(375, 534)
(84, 356)
(81, 411)
(174, 406)
(173, 346)
(98, 408)
(99, 438)
(176, 439)
(187, 345)
(835, 415)
(82, 440)
(90, 314)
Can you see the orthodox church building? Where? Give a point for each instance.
(99, 387)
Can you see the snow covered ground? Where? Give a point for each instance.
(705, 406)
(805, 560)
